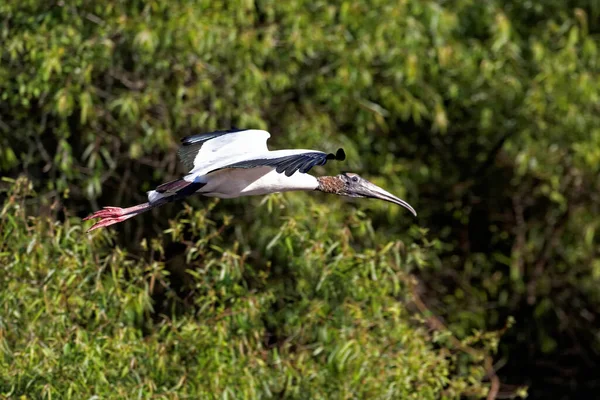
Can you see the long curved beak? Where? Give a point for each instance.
(368, 189)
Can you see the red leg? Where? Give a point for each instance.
(112, 215)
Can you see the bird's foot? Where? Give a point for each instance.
(107, 212)
(109, 221)
(113, 215)
(108, 216)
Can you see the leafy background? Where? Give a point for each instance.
(485, 116)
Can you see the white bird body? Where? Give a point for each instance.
(235, 163)
(231, 183)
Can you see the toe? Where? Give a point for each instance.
(104, 222)
(110, 220)
(106, 212)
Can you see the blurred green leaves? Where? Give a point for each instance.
(80, 319)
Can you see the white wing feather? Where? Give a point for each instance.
(234, 146)
(252, 140)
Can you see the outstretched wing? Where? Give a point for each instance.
(284, 162)
(200, 150)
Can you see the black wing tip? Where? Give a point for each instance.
(186, 140)
(202, 137)
(339, 155)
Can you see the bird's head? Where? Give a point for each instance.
(352, 185)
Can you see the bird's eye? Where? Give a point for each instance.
(355, 179)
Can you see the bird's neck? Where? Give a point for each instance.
(330, 184)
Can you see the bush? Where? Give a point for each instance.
(82, 320)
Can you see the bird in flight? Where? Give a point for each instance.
(237, 162)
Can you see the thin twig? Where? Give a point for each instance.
(436, 324)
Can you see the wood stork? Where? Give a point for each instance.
(237, 162)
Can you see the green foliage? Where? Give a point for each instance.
(79, 320)
(483, 115)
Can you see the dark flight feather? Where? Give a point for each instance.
(172, 186)
(178, 189)
(203, 137)
(290, 164)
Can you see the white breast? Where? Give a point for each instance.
(237, 182)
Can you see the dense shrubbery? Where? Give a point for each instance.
(483, 115)
(80, 319)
